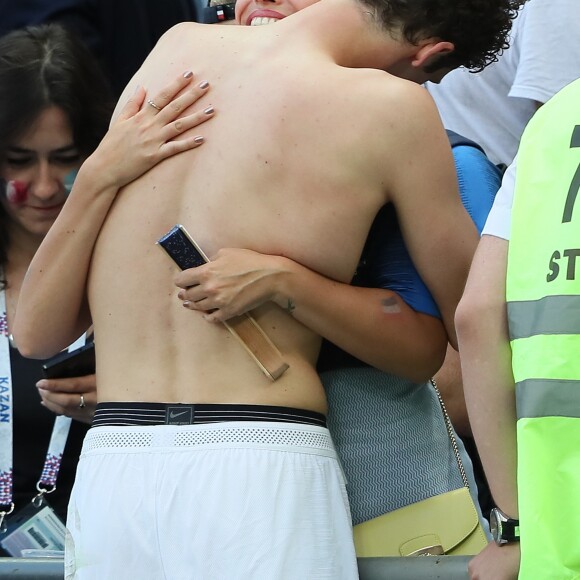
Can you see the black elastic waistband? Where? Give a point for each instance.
(145, 414)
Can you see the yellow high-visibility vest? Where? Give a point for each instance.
(543, 301)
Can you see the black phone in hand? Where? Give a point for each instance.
(65, 365)
(182, 248)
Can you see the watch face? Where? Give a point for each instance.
(495, 526)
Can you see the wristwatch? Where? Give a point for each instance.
(504, 529)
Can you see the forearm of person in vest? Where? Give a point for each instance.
(490, 393)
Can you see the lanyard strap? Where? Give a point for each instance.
(60, 430)
(6, 476)
(53, 459)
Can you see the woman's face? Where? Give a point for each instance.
(35, 165)
(259, 12)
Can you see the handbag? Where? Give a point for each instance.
(447, 523)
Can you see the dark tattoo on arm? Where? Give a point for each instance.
(390, 305)
(290, 307)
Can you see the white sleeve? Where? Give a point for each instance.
(549, 49)
(499, 219)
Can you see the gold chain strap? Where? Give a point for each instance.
(451, 435)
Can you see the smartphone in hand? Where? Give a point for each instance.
(182, 249)
(77, 363)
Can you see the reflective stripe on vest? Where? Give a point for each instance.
(543, 303)
(547, 398)
(548, 315)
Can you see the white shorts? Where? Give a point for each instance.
(225, 501)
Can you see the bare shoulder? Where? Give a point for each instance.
(169, 56)
(402, 124)
(406, 107)
(178, 31)
(177, 39)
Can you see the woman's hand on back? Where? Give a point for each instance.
(149, 130)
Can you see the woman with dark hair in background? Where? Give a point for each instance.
(55, 107)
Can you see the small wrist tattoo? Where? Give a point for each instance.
(290, 307)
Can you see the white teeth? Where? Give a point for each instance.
(260, 21)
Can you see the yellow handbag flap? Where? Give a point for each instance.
(446, 519)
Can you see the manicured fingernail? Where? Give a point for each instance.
(203, 85)
(41, 384)
(198, 140)
(209, 110)
(187, 74)
(185, 303)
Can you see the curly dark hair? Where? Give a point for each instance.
(47, 65)
(479, 29)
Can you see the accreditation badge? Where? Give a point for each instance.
(35, 530)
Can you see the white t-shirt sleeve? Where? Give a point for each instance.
(499, 219)
(549, 49)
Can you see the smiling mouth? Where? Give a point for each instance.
(261, 20)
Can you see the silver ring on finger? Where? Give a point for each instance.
(82, 402)
(152, 103)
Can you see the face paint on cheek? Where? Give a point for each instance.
(69, 180)
(16, 191)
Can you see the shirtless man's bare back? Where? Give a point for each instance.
(292, 166)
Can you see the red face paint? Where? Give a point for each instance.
(16, 191)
